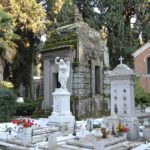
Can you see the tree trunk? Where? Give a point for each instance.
(31, 83)
(31, 86)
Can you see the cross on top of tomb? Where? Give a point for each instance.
(121, 59)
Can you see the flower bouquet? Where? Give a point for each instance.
(121, 129)
(24, 122)
(24, 132)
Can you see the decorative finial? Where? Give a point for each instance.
(121, 59)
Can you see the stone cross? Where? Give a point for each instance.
(121, 59)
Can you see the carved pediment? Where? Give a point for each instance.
(122, 69)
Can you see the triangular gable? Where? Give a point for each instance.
(141, 49)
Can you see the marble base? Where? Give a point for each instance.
(132, 123)
(61, 109)
(91, 142)
(146, 134)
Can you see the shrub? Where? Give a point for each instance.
(41, 114)
(7, 104)
(141, 96)
(25, 108)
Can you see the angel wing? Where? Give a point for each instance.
(67, 69)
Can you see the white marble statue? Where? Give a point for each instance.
(64, 70)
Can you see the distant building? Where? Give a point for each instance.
(142, 65)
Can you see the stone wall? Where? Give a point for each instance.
(81, 81)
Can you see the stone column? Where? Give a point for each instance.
(46, 74)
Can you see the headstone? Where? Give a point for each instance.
(89, 125)
(122, 100)
(52, 142)
(122, 90)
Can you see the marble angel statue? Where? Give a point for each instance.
(64, 71)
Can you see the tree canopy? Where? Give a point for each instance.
(29, 21)
(7, 37)
(27, 15)
(114, 17)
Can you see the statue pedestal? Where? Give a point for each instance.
(61, 109)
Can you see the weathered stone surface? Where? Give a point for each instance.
(87, 66)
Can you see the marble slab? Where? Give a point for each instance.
(88, 142)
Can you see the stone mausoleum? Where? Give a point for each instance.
(85, 50)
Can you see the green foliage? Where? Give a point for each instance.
(41, 114)
(27, 15)
(29, 20)
(141, 96)
(68, 38)
(66, 14)
(115, 17)
(7, 37)
(7, 104)
(26, 108)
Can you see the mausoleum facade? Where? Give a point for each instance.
(84, 48)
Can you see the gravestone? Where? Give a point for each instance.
(89, 125)
(122, 100)
(52, 142)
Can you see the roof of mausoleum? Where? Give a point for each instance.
(121, 69)
(141, 49)
(69, 35)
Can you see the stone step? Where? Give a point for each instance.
(12, 146)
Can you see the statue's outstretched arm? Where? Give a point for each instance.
(57, 60)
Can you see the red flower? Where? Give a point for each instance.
(17, 122)
(24, 120)
(25, 125)
(126, 129)
(14, 121)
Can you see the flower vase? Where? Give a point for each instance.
(25, 135)
(120, 133)
(19, 131)
(125, 134)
